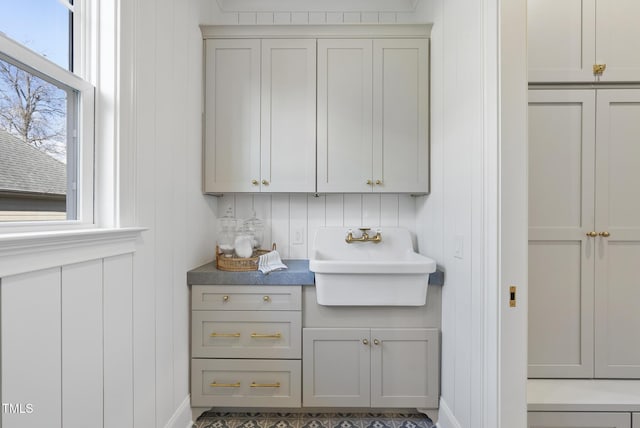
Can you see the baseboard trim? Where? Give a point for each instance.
(446, 419)
(182, 416)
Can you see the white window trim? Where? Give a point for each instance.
(86, 126)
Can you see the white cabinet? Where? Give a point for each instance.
(578, 420)
(245, 346)
(566, 38)
(584, 233)
(377, 367)
(373, 115)
(260, 108)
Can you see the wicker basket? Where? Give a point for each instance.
(239, 264)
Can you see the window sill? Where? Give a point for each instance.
(25, 252)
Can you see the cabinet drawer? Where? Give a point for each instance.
(245, 383)
(246, 297)
(246, 334)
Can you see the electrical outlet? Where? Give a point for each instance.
(298, 236)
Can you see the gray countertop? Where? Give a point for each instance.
(298, 273)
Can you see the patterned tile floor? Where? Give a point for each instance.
(313, 420)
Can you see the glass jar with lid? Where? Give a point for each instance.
(226, 232)
(243, 241)
(256, 226)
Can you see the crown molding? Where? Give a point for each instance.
(317, 6)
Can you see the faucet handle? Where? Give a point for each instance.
(364, 229)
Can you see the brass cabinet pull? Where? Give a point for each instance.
(266, 336)
(266, 298)
(255, 182)
(598, 69)
(265, 385)
(214, 334)
(378, 182)
(225, 385)
(369, 182)
(605, 234)
(225, 298)
(592, 234)
(365, 342)
(265, 182)
(376, 342)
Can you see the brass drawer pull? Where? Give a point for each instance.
(592, 234)
(266, 299)
(225, 298)
(376, 342)
(225, 385)
(605, 234)
(214, 334)
(265, 385)
(266, 336)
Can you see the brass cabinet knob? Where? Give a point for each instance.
(255, 182)
(376, 342)
(378, 182)
(598, 69)
(265, 182)
(225, 298)
(365, 341)
(369, 182)
(266, 298)
(592, 234)
(605, 234)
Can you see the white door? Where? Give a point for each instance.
(618, 222)
(561, 214)
(400, 115)
(345, 115)
(336, 367)
(232, 116)
(561, 40)
(405, 368)
(618, 39)
(288, 124)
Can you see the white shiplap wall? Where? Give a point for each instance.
(303, 18)
(289, 215)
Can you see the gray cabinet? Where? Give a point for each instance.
(246, 345)
(578, 420)
(584, 233)
(360, 367)
(567, 38)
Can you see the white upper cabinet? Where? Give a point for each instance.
(373, 115)
(260, 108)
(567, 38)
(232, 115)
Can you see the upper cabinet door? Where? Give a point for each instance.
(345, 115)
(618, 39)
(232, 116)
(567, 38)
(288, 141)
(400, 116)
(561, 40)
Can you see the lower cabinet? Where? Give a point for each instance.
(581, 420)
(360, 367)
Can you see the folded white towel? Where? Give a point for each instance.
(270, 262)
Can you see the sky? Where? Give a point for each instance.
(42, 25)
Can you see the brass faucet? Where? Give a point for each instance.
(364, 237)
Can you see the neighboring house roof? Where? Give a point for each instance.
(23, 168)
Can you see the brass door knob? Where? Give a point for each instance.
(255, 182)
(592, 234)
(605, 234)
(265, 182)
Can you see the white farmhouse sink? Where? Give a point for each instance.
(388, 273)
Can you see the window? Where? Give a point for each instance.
(46, 117)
